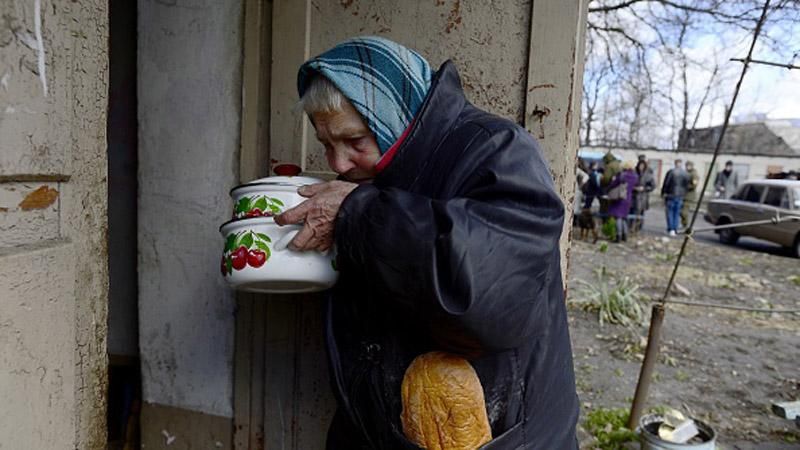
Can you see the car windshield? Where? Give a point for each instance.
(796, 197)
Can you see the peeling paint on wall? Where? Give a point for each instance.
(39, 199)
(454, 19)
(29, 213)
(37, 16)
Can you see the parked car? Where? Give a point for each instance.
(760, 200)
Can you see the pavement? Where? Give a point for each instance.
(724, 367)
(655, 223)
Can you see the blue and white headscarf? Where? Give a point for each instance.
(384, 81)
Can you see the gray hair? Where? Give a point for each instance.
(322, 96)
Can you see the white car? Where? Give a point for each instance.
(760, 200)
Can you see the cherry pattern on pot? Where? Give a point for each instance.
(245, 248)
(257, 206)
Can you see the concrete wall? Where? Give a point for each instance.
(53, 272)
(189, 84)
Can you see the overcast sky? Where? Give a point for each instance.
(768, 92)
(773, 91)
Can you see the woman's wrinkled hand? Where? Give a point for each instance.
(318, 214)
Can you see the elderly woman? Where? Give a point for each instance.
(446, 226)
(620, 205)
(641, 193)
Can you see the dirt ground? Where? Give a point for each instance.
(723, 367)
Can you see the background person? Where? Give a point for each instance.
(641, 193)
(611, 167)
(619, 208)
(676, 182)
(726, 182)
(690, 199)
(592, 188)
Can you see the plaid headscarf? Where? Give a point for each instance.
(384, 81)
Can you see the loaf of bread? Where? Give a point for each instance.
(443, 404)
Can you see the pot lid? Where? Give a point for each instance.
(289, 170)
(280, 181)
(248, 221)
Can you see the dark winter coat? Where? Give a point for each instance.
(676, 183)
(641, 196)
(621, 208)
(454, 247)
(726, 183)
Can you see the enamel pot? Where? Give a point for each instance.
(256, 259)
(267, 197)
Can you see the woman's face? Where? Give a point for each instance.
(350, 146)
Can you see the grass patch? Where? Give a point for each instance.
(658, 409)
(609, 229)
(664, 257)
(615, 300)
(609, 427)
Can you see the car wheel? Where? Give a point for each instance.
(728, 235)
(796, 247)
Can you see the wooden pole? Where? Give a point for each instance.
(657, 316)
(650, 359)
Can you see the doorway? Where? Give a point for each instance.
(124, 381)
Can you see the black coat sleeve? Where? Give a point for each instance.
(475, 267)
(666, 186)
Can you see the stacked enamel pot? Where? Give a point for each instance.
(256, 257)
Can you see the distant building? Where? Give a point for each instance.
(764, 138)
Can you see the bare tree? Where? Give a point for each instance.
(645, 82)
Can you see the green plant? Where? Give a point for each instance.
(664, 257)
(609, 228)
(609, 427)
(794, 279)
(603, 247)
(616, 301)
(789, 437)
(658, 409)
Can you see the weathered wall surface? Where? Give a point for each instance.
(37, 379)
(488, 42)
(553, 104)
(189, 83)
(53, 274)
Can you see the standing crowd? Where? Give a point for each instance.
(622, 190)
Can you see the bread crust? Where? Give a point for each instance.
(443, 404)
